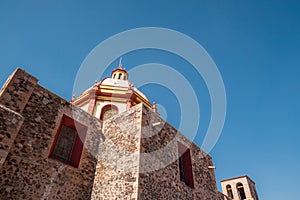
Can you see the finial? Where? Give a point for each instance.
(154, 107)
(73, 97)
(120, 63)
(131, 86)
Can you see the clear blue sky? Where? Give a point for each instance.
(255, 44)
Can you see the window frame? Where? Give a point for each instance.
(77, 147)
(184, 154)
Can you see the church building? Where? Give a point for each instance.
(108, 143)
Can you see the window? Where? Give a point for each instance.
(185, 165)
(181, 168)
(241, 191)
(120, 75)
(68, 143)
(108, 111)
(229, 191)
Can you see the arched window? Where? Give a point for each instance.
(114, 76)
(108, 111)
(120, 75)
(241, 191)
(229, 191)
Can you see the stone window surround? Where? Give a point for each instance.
(77, 148)
(186, 159)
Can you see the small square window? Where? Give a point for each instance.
(68, 143)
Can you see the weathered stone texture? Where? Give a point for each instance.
(28, 172)
(222, 196)
(159, 178)
(134, 155)
(139, 160)
(117, 168)
(10, 123)
(17, 90)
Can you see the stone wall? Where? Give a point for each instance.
(139, 160)
(10, 123)
(159, 167)
(135, 156)
(118, 163)
(223, 197)
(29, 119)
(16, 91)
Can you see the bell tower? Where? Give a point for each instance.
(239, 188)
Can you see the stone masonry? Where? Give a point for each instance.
(117, 171)
(140, 161)
(133, 155)
(29, 117)
(159, 151)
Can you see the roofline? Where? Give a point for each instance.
(244, 176)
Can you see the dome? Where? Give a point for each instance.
(121, 83)
(115, 82)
